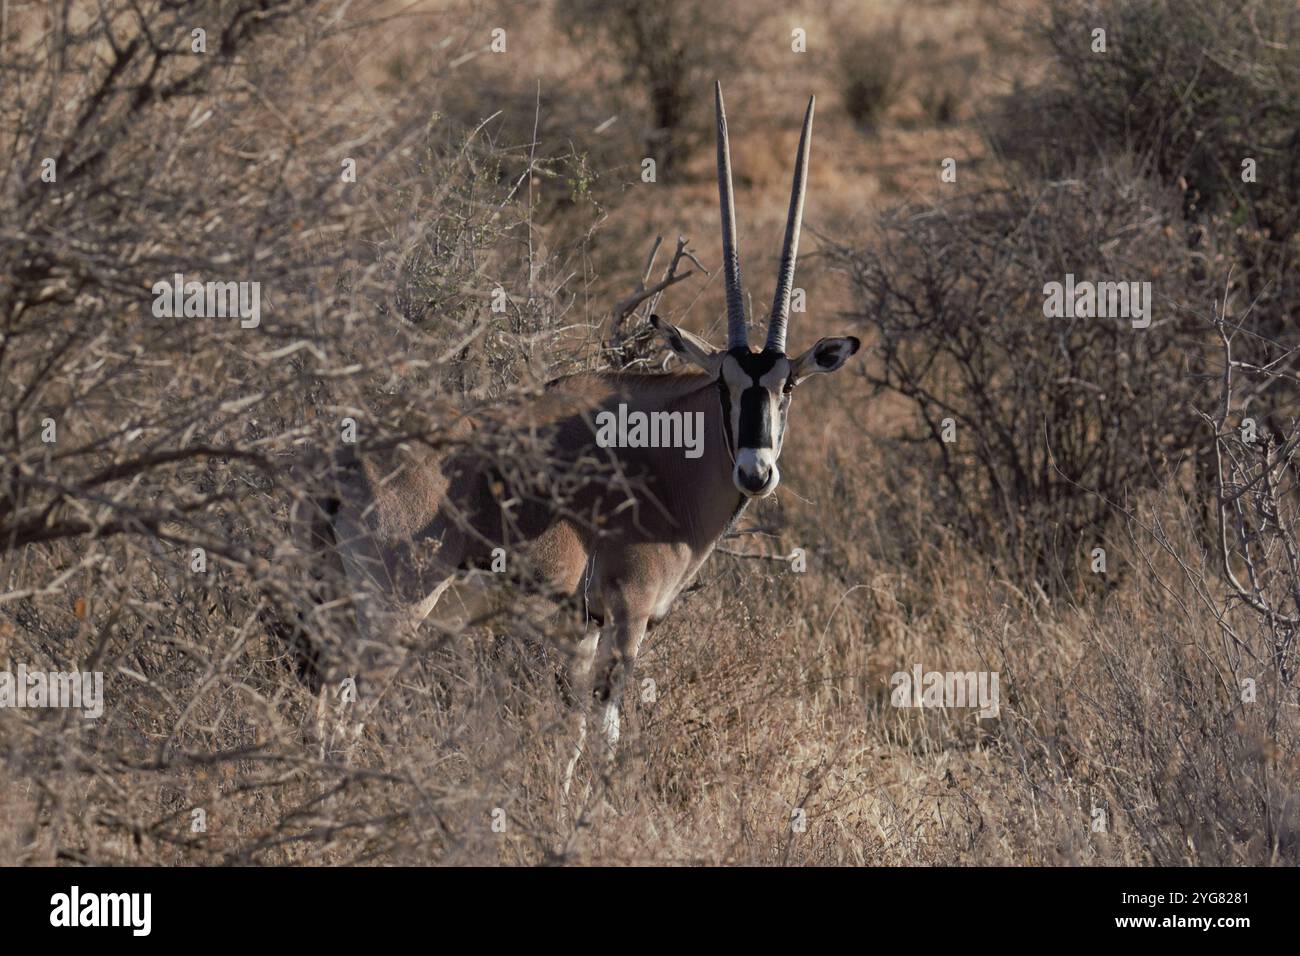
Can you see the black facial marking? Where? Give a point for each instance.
(725, 397)
(755, 364)
(755, 423)
(755, 420)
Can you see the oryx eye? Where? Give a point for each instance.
(788, 387)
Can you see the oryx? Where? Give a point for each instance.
(403, 522)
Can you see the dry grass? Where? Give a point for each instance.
(770, 687)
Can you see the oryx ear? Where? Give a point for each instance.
(826, 356)
(688, 347)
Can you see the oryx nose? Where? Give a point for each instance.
(755, 479)
(755, 470)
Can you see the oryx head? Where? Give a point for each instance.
(756, 387)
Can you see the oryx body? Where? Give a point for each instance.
(620, 530)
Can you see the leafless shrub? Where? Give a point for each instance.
(956, 296)
(667, 52)
(1197, 92)
(1186, 734)
(1255, 501)
(868, 72)
(152, 462)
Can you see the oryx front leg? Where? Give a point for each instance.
(614, 660)
(580, 683)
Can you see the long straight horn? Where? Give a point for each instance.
(736, 333)
(790, 250)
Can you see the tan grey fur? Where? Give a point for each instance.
(630, 538)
